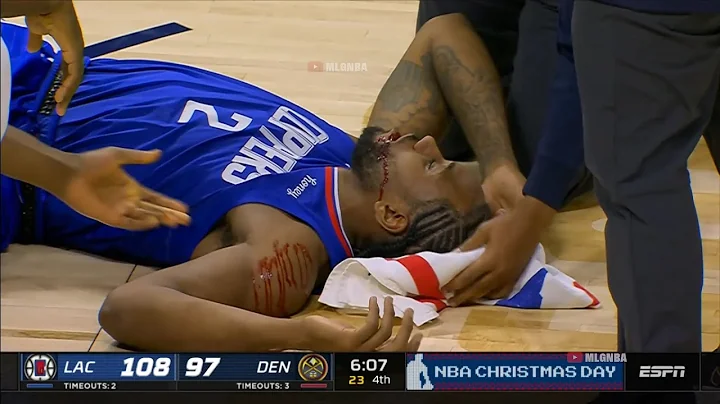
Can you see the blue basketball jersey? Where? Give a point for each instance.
(225, 143)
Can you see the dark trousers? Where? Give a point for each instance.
(649, 87)
(521, 38)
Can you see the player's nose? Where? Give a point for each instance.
(428, 147)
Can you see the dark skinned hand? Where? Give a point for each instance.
(61, 24)
(510, 240)
(375, 335)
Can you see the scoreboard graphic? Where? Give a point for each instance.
(575, 371)
(183, 372)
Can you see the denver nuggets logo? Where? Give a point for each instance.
(40, 368)
(313, 368)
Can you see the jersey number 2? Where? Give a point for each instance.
(241, 121)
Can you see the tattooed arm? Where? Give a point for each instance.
(448, 68)
(411, 100)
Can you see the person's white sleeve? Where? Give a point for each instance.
(5, 86)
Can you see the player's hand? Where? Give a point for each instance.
(61, 24)
(99, 188)
(510, 240)
(504, 187)
(376, 335)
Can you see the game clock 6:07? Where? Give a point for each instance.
(368, 365)
(370, 372)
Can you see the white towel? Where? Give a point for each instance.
(414, 281)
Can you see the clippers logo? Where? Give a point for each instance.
(661, 371)
(40, 368)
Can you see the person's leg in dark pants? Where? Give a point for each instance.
(648, 84)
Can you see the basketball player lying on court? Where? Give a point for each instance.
(277, 195)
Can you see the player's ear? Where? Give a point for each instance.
(392, 217)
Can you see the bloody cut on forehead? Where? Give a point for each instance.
(384, 141)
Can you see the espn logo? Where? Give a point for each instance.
(661, 371)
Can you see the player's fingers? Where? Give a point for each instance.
(171, 206)
(66, 31)
(502, 292)
(71, 81)
(167, 217)
(414, 344)
(468, 275)
(34, 43)
(400, 342)
(129, 156)
(371, 324)
(124, 208)
(479, 238)
(139, 220)
(478, 290)
(385, 331)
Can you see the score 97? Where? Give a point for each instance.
(368, 365)
(194, 366)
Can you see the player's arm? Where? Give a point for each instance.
(29, 160)
(447, 68)
(206, 304)
(18, 8)
(214, 303)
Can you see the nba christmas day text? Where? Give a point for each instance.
(354, 372)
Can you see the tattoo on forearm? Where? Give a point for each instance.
(286, 270)
(410, 101)
(436, 101)
(475, 97)
(404, 86)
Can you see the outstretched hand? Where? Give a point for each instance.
(510, 240)
(333, 336)
(99, 188)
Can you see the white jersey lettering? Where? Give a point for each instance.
(290, 137)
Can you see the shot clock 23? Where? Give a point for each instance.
(369, 372)
(370, 365)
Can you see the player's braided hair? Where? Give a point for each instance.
(434, 226)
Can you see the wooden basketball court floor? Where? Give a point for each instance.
(50, 297)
